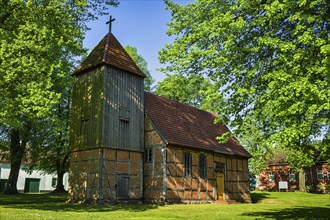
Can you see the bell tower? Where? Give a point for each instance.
(106, 131)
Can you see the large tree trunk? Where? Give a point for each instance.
(302, 181)
(60, 174)
(17, 151)
(59, 185)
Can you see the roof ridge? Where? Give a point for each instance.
(107, 45)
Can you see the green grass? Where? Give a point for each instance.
(266, 205)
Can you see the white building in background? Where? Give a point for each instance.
(35, 182)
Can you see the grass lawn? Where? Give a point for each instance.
(266, 205)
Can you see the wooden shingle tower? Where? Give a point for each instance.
(106, 134)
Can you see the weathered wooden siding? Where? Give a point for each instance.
(86, 110)
(99, 97)
(153, 172)
(123, 91)
(94, 175)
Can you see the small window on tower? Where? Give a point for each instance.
(148, 155)
(124, 138)
(85, 113)
(124, 113)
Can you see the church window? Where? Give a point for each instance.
(85, 113)
(84, 129)
(148, 155)
(124, 134)
(84, 132)
(220, 167)
(202, 166)
(124, 113)
(187, 164)
(124, 117)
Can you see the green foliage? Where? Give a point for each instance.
(50, 141)
(192, 90)
(4, 149)
(252, 139)
(142, 64)
(271, 61)
(35, 42)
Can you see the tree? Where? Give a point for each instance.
(271, 60)
(192, 90)
(39, 43)
(142, 64)
(49, 150)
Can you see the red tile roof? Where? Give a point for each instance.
(109, 52)
(187, 126)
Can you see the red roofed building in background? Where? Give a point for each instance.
(131, 145)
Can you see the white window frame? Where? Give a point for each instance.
(320, 172)
(54, 182)
(294, 176)
(271, 177)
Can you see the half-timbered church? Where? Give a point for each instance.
(131, 145)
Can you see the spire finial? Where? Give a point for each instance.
(110, 22)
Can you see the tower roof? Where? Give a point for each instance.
(109, 52)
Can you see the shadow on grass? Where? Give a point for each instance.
(318, 213)
(57, 202)
(257, 197)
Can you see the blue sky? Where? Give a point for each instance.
(139, 23)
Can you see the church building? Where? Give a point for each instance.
(132, 145)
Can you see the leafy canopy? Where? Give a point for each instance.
(49, 147)
(271, 62)
(192, 90)
(142, 64)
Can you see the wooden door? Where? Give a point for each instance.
(220, 185)
(122, 186)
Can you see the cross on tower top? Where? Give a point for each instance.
(110, 22)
